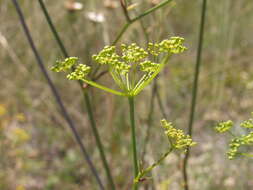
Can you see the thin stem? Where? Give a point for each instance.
(232, 134)
(140, 82)
(53, 29)
(123, 30)
(152, 76)
(247, 155)
(104, 88)
(124, 8)
(150, 118)
(150, 168)
(85, 95)
(97, 137)
(194, 90)
(147, 12)
(160, 104)
(134, 148)
(56, 94)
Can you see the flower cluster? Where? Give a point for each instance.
(177, 137)
(172, 45)
(65, 65)
(79, 73)
(178, 141)
(148, 66)
(248, 124)
(237, 143)
(130, 69)
(224, 126)
(133, 53)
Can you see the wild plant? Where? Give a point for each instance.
(130, 21)
(177, 141)
(131, 71)
(238, 143)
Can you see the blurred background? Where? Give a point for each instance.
(38, 151)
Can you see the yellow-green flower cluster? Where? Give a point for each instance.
(108, 56)
(177, 137)
(173, 45)
(79, 73)
(154, 48)
(248, 124)
(130, 68)
(237, 142)
(65, 65)
(234, 146)
(149, 66)
(133, 53)
(224, 126)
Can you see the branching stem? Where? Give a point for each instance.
(145, 13)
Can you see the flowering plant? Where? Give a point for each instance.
(131, 70)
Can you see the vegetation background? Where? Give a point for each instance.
(37, 151)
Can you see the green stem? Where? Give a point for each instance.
(153, 75)
(97, 138)
(99, 86)
(247, 155)
(130, 22)
(195, 90)
(134, 149)
(145, 13)
(123, 30)
(124, 8)
(160, 104)
(157, 163)
(149, 119)
(232, 134)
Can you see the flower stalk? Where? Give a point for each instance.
(133, 136)
(131, 71)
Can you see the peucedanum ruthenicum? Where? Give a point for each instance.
(131, 70)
